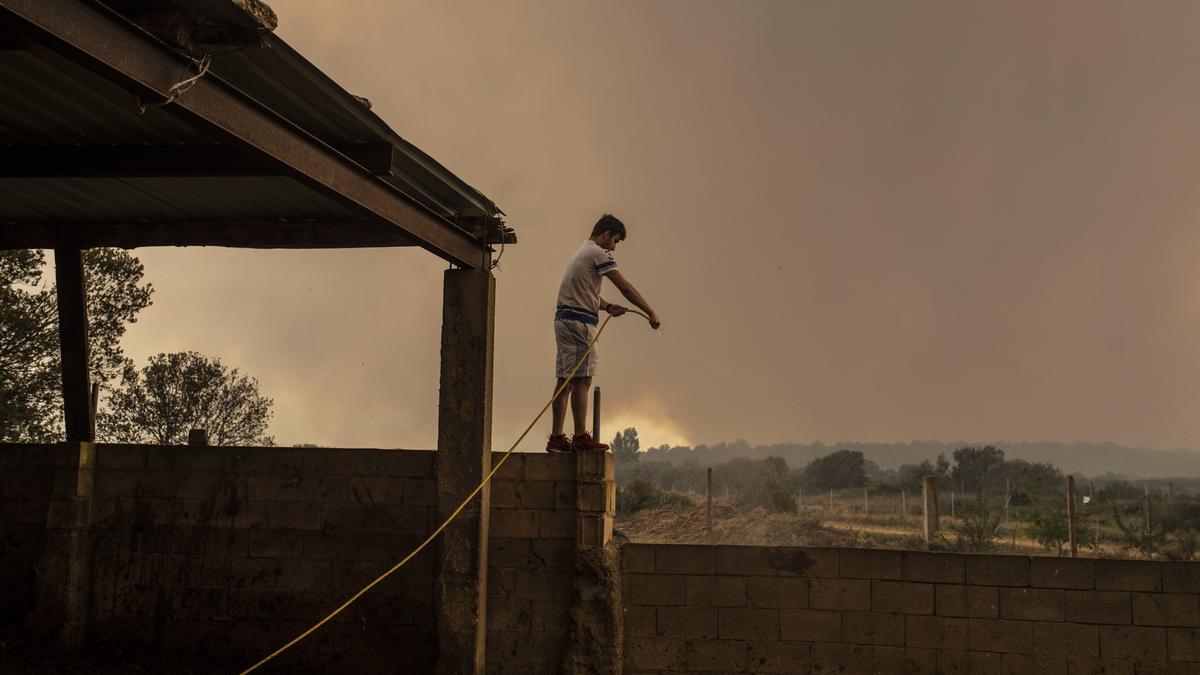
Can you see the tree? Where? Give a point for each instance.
(972, 465)
(841, 469)
(625, 445)
(30, 394)
(182, 391)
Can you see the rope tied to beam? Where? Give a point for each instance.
(179, 88)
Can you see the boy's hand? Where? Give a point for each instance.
(616, 310)
(654, 322)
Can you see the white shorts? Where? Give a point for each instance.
(572, 338)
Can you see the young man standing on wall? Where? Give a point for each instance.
(575, 324)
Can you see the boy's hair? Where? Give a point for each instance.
(609, 223)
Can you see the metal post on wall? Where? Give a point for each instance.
(929, 490)
(708, 491)
(596, 414)
(1071, 537)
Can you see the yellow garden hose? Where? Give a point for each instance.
(457, 511)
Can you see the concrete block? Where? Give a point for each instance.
(873, 628)
(716, 655)
(410, 463)
(953, 663)
(1166, 609)
(186, 458)
(935, 632)
(1032, 664)
(330, 545)
(551, 467)
(557, 523)
(508, 552)
(789, 592)
(246, 461)
(638, 557)
(640, 622)
(713, 591)
(395, 519)
(1067, 573)
(1103, 607)
(663, 590)
(1181, 577)
(980, 602)
(655, 653)
(591, 530)
(1032, 604)
(303, 461)
(687, 622)
(542, 584)
(999, 635)
(850, 594)
(1066, 640)
(810, 625)
(514, 523)
(997, 570)
(512, 468)
(420, 492)
(901, 597)
(1133, 642)
(121, 457)
(308, 516)
(380, 490)
(684, 559)
(502, 582)
(870, 564)
(564, 495)
(590, 497)
(748, 623)
(116, 483)
(510, 615)
(902, 660)
(591, 466)
(1183, 644)
(343, 462)
(345, 518)
(553, 553)
(281, 543)
(1128, 575)
(944, 568)
(776, 561)
(779, 657)
(840, 658)
(1085, 665)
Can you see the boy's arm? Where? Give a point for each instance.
(632, 295)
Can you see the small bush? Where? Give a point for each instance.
(978, 527)
(643, 494)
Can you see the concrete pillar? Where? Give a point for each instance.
(64, 579)
(463, 459)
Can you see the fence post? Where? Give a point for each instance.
(596, 414)
(866, 503)
(1071, 517)
(708, 491)
(929, 489)
(952, 504)
(1146, 489)
(1007, 496)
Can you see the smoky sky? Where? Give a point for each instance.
(858, 220)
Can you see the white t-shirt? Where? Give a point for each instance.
(579, 293)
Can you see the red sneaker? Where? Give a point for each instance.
(558, 443)
(583, 442)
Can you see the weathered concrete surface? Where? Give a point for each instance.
(463, 459)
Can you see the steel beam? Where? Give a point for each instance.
(105, 43)
(234, 233)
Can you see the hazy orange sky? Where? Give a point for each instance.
(857, 220)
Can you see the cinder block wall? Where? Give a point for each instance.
(230, 552)
(801, 610)
(530, 562)
(25, 487)
(227, 553)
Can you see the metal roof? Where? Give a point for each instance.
(50, 100)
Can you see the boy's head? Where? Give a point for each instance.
(608, 232)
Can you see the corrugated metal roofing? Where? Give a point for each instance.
(47, 100)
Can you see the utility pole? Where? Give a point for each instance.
(708, 493)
